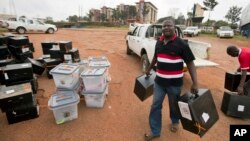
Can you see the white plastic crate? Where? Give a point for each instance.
(83, 64)
(64, 106)
(94, 79)
(76, 89)
(99, 62)
(94, 100)
(66, 75)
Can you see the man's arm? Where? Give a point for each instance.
(242, 81)
(151, 65)
(193, 74)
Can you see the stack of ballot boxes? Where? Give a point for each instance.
(18, 102)
(5, 56)
(4, 51)
(20, 48)
(56, 52)
(95, 80)
(64, 101)
(233, 104)
(197, 111)
(101, 62)
(14, 74)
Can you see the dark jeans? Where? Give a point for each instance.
(155, 116)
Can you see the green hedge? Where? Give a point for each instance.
(3, 30)
(83, 24)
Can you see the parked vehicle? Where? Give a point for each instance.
(143, 39)
(132, 26)
(225, 31)
(23, 25)
(191, 31)
(182, 27)
(3, 24)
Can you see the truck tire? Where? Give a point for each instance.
(50, 31)
(144, 62)
(129, 51)
(20, 30)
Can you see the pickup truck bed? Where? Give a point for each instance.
(143, 39)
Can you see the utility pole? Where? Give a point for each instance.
(12, 7)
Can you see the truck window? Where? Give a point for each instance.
(158, 31)
(141, 31)
(136, 31)
(39, 22)
(22, 20)
(150, 32)
(30, 21)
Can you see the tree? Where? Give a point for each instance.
(210, 4)
(233, 14)
(190, 15)
(180, 19)
(132, 12)
(49, 20)
(90, 15)
(86, 18)
(103, 17)
(209, 22)
(123, 16)
(116, 15)
(220, 23)
(73, 18)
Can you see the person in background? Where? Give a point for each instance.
(243, 55)
(170, 54)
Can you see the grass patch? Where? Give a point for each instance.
(2, 30)
(236, 36)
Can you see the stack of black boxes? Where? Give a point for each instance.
(17, 78)
(18, 103)
(56, 52)
(20, 73)
(233, 104)
(20, 48)
(5, 55)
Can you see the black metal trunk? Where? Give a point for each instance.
(198, 112)
(144, 86)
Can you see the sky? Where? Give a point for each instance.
(62, 9)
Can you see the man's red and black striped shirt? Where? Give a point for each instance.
(170, 60)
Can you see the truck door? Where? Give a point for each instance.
(34, 26)
(132, 39)
(30, 25)
(39, 26)
(138, 40)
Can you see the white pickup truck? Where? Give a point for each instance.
(143, 39)
(23, 25)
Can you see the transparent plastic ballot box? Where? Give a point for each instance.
(64, 106)
(98, 62)
(66, 75)
(94, 79)
(95, 99)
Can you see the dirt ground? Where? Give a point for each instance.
(124, 117)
